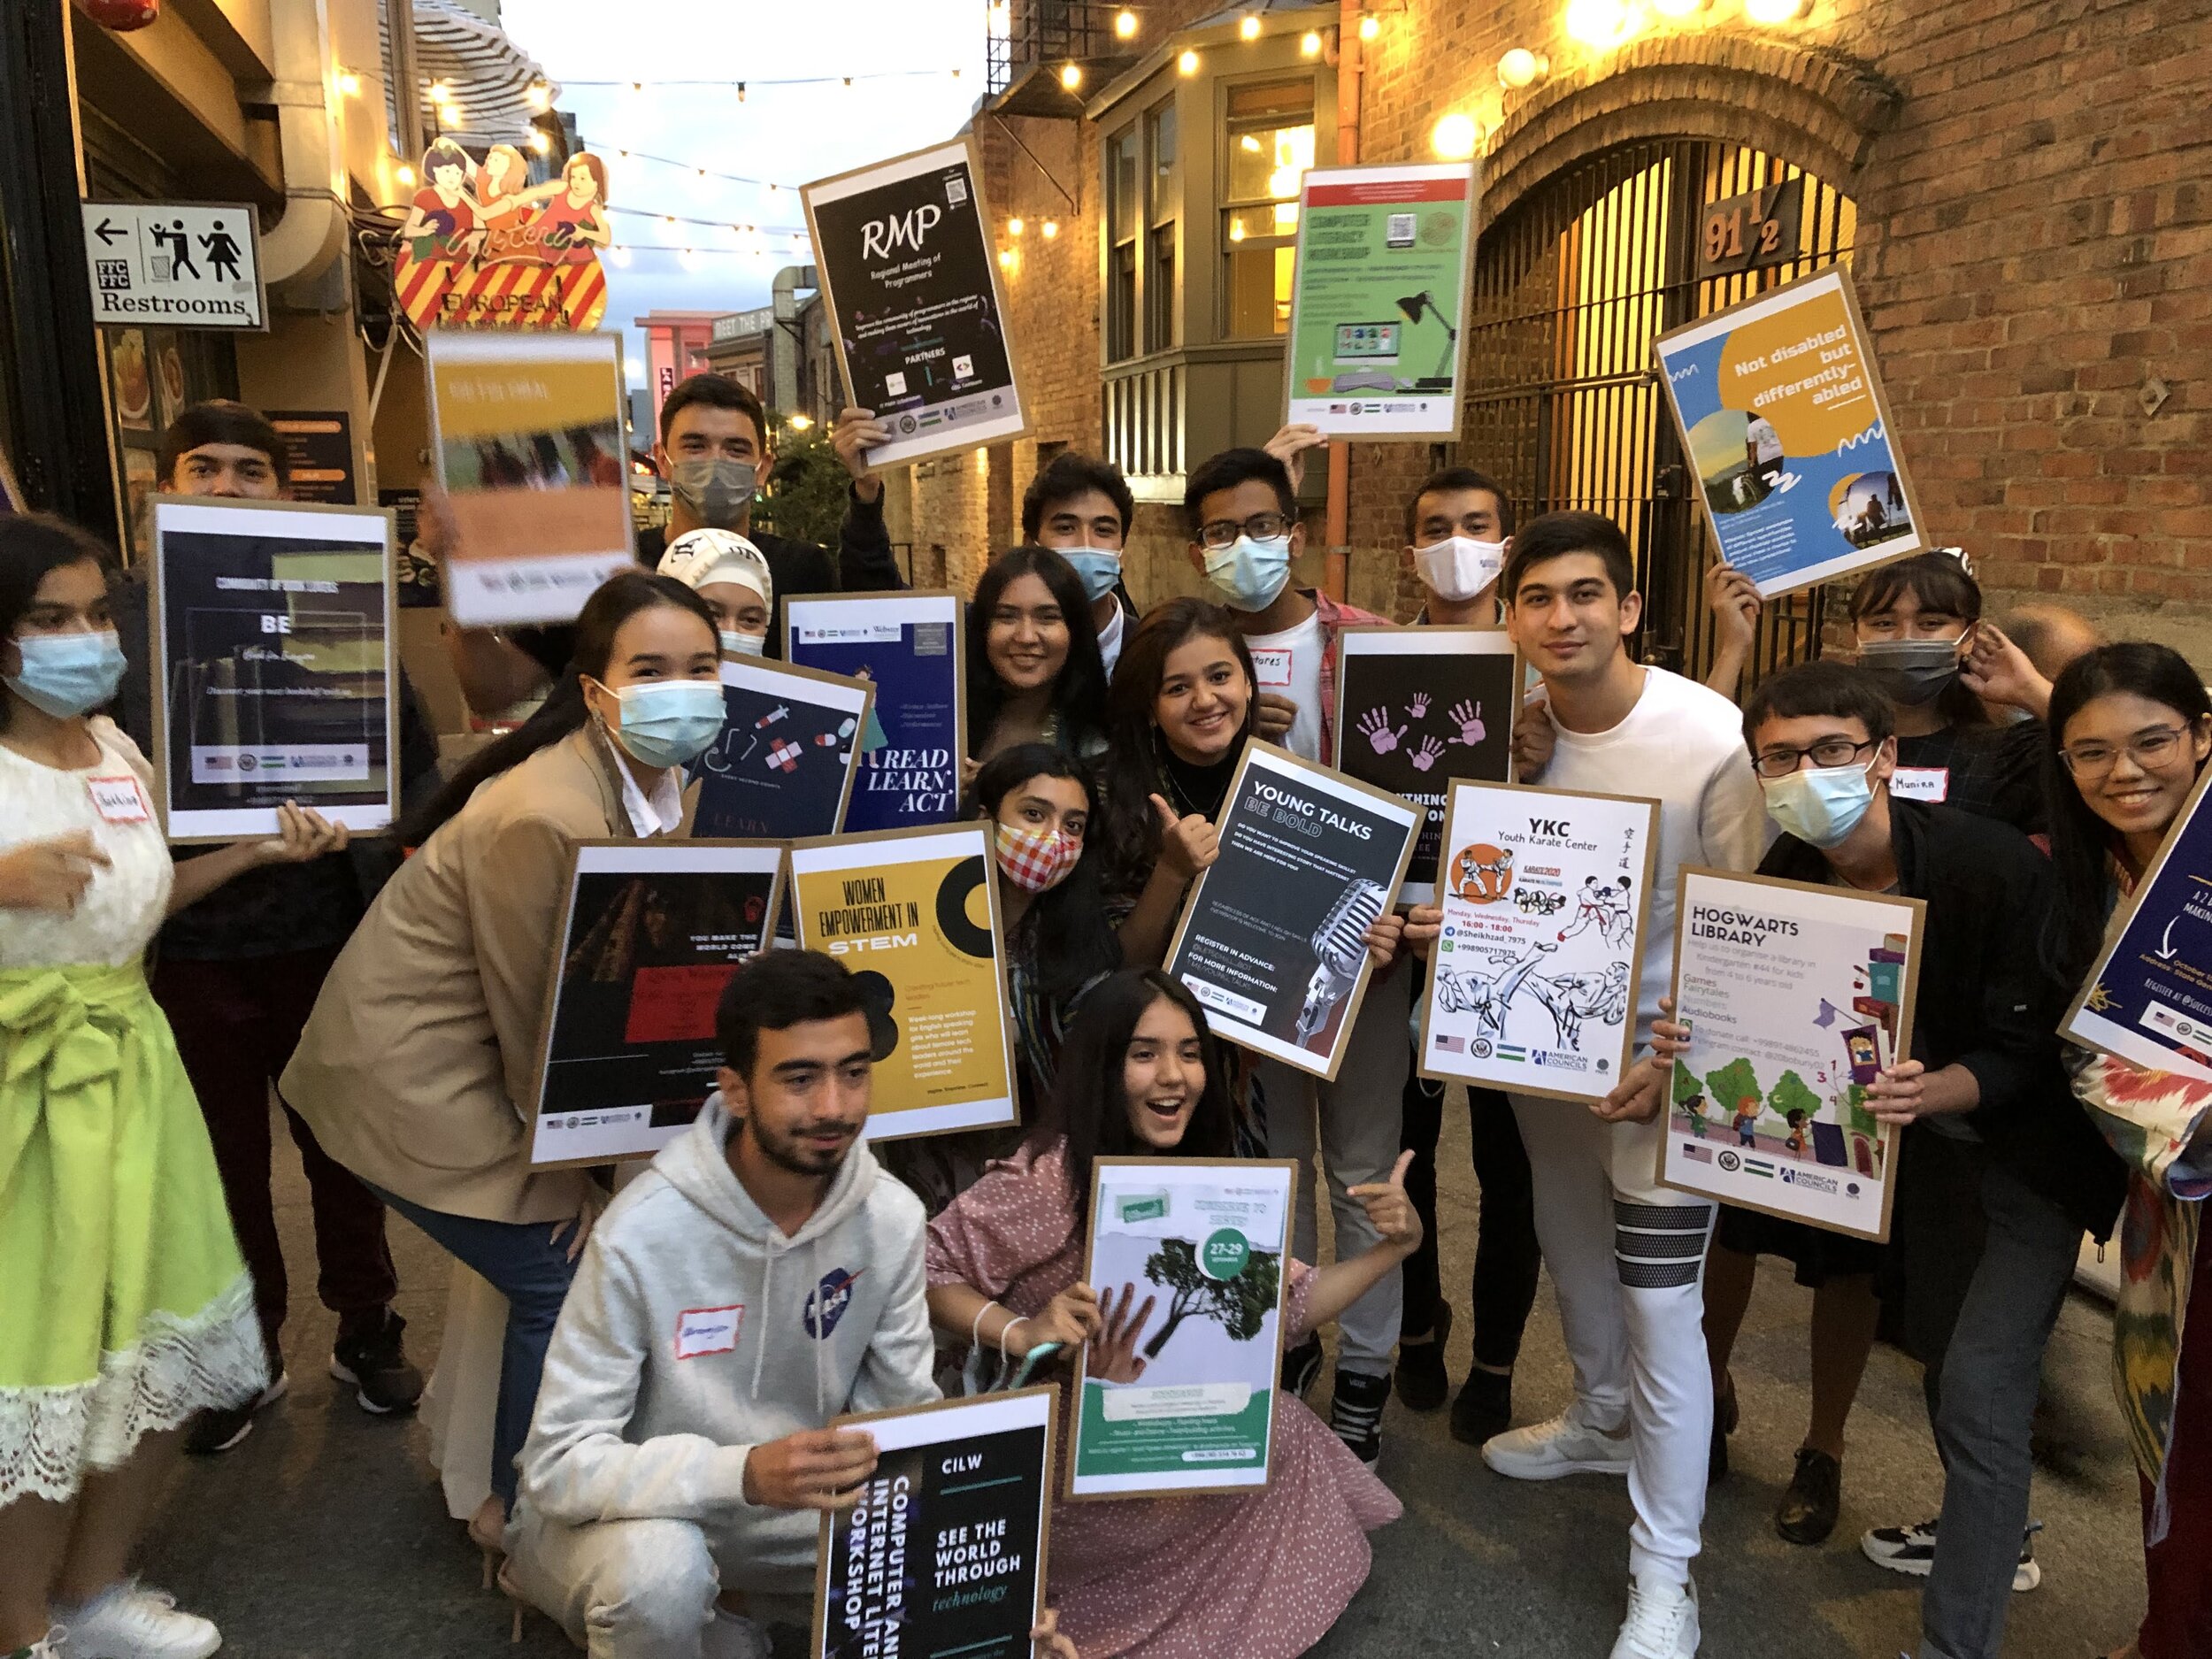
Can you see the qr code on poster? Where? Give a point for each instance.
(956, 190)
(1398, 230)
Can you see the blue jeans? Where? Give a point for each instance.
(523, 1264)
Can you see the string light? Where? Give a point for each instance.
(350, 84)
(711, 224)
(542, 145)
(691, 167)
(1250, 29)
(1309, 44)
(1070, 76)
(1125, 24)
(1016, 226)
(1455, 136)
(1522, 68)
(1601, 25)
(800, 422)
(1051, 228)
(1006, 259)
(1187, 64)
(774, 80)
(1369, 26)
(405, 174)
(541, 96)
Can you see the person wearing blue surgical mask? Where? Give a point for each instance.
(435, 1114)
(731, 575)
(1081, 509)
(1990, 1139)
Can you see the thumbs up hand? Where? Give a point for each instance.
(1187, 845)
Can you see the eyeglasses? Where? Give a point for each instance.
(1260, 526)
(1829, 752)
(2150, 749)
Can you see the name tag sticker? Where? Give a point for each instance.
(1272, 663)
(1921, 783)
(118, 800)
(702, 1330)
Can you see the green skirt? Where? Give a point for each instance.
(125, 1308)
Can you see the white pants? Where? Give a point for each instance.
(1358, 1117)
(1627, 1261)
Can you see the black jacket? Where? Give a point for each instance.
(1986, 1002)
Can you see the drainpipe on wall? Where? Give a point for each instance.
(1348, 70)
(783, 343)
(302, 246)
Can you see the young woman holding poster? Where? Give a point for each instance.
(1257, 1577)
(431, 1112)
(2131, 729)
(127, 1308)
(1033, 670)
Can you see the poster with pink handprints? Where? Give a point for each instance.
(1417, 707)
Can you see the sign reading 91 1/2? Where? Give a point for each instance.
(904, 252)
(183, 265)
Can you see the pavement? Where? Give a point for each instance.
(324, 1536)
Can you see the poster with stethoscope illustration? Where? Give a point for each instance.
(1416, 707)
(784, 765)
(1545, 894)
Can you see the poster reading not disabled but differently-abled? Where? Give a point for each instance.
(908, 647)
(2150, 1000)
(1271, 939)
(273, 665)
(914, 913)
(1415, 707)
(1782, 415)
(944, 1554)
(783, 767)
(1796, 996)
(1545, 894)
(1190, 1258)
(526, 433)
(1377, 299)
(651, 933)
(910, 272)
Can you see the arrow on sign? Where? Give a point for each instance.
(2166, 951)
(108, 232)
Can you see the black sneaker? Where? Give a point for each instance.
(1484, 1410)
(1301, 1367)
(1356, 1413)
(213, 1431)
(1808, 1512)
(374, 1361)
(1911, 1550)
(1422, 1381)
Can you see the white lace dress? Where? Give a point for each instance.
(125, 1308)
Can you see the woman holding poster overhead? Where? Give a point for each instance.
(430, 1111)
(1034, 674)
(1262, 1576)
(2131, 729)
(124, 1307)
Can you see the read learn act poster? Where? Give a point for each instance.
(914, 914)
(907, 646)
(1379, 297)
(1546, 895)
(1189, 1258)
(1782, 416)
(1796, 996)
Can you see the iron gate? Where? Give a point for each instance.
(1571, 285)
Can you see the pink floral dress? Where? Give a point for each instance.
(1262, 1576)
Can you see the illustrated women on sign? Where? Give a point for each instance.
(574, 222)
(504, 196)
(442, 219)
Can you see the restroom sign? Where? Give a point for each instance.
(181, 264)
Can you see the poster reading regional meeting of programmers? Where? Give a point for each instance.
(1781, 411)
(1190, 1259)
(914, 914)
(1379, 297)
(1271, 939)
(944, 1552)
(911, 275)
(1796, 996)
(909, 646)
(1546, 894)
(273, 665)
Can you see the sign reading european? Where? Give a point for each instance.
(182, 265)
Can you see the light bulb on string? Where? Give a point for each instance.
(1070, 76)
(405, 174)
(1016, 226)
(1309, 44)
(1187, 64)
(1050, 228)
(1249, 29)
(349, 84)
(541, 143)
(1369, 26)
(1125, 24)
(1521, 67)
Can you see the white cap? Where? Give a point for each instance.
(699, 559)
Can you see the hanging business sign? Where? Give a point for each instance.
(184, 265)
(481, 247)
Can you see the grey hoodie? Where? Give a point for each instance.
(696, 1330)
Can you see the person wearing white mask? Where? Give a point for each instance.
(434, 1113)
(731, 574)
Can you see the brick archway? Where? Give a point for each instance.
(1820, 110)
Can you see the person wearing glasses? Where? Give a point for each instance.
(2130, 731)
(1986, 1060)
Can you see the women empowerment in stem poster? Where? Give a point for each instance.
(1189, 1258)
(1532, 983)
(909, 646)
(1379, 297)
(944, 1554)
(1796, 997)
(915, 916)
(1782, 415)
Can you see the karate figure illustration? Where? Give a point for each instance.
(1607, 906)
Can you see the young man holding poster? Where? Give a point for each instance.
(1625, 1253)
(761, 1278)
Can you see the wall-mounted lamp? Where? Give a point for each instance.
(1522, 68)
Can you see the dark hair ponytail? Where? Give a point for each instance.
(611, 605)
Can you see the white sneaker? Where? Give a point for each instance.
(732, 1636)
(1561, 1446)
(128, 1621)
(48, 1647)
(1661, 1622)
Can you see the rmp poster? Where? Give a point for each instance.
(1782, 417)
(1379, 297)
